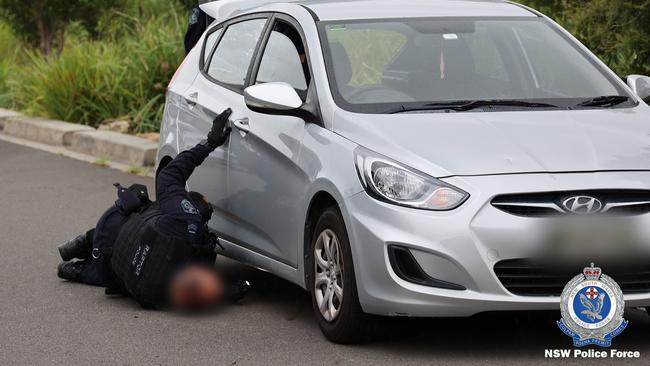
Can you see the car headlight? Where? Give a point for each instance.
(395, 183)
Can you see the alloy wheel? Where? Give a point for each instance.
(328, 283)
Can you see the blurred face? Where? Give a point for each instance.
(195, 288)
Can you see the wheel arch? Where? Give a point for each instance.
(320, 202)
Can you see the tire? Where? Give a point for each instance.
(342, 320)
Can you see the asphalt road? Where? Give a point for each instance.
(46, 199)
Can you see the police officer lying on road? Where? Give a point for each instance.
(160, 253)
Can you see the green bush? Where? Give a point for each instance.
(44, 23)
(6, 69)
(9, 47)
(122, 76)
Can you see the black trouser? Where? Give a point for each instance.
(98, 270)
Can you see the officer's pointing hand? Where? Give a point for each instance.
(220, 130)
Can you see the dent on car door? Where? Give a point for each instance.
(218, 87)
(189, 118)
(265, 182)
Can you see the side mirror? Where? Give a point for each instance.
(640, 86)
(273, 98)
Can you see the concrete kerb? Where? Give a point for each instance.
(113, 146)
(117, 146)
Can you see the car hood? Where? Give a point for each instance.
(484, 143)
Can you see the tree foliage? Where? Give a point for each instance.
(44, 22)
(618, 31)
(119, 70)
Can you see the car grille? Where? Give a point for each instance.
(549, 204)
(526, 277)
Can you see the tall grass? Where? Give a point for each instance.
(6, 69)
(9, 51)
(123, 75)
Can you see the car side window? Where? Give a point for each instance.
(234, 53)
(210, 40)
(285, 59)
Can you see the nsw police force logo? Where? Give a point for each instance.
(592, 308)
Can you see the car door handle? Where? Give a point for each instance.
(192, 99)
(242, 125)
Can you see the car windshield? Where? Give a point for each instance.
(380, 66)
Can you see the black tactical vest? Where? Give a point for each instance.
(144, 259)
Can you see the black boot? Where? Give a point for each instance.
(71, 271)
(78, 247)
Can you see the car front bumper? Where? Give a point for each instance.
(462, 246)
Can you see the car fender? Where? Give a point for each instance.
(335, 176)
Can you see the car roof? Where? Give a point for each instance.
(331, 10)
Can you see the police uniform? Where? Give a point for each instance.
(179, 216)
(198, 23)
(137, 244)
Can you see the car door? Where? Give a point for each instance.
(190, 118)
(219, 86)
(264, 179)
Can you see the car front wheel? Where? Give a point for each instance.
(332, 282)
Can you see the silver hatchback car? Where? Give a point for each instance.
(404, 158)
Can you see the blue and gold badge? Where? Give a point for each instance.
(592, 308)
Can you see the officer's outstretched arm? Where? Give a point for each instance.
(173, 177)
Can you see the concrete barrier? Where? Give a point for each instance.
(115, 146)
(43, 130)
(6, 114)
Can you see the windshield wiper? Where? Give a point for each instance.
(604, 101)
(466, 105)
